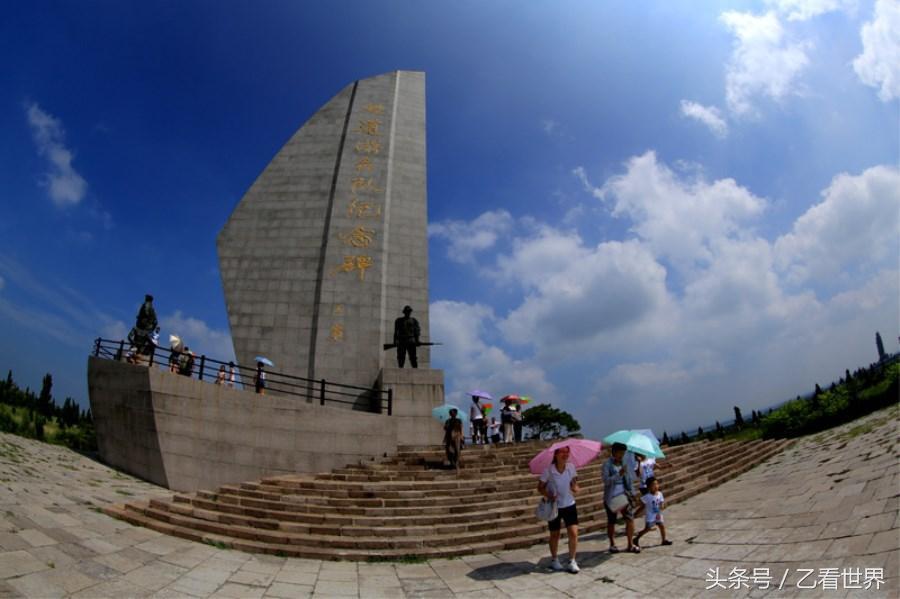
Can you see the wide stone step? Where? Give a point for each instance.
(334, 505)
(392, 509)
(338, 540)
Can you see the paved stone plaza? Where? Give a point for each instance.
(829, 502)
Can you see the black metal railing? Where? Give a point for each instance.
(204, 368)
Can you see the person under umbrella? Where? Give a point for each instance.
(618, 497)
(552, 464)
(453, 435)
(507, 420)
(479, 423)
(559, 483)
(260, 379)
(177, 346)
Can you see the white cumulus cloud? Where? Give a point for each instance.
(579, 296)
(465, 239)
(64, 185)
(198, 336)
(679, 218)
(855, 224)
(472, 362)
(708, 115)
(764, 62)
(692, 311)
(750, 306)
(802, 10)
(879, 64)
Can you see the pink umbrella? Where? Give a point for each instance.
(581, 452)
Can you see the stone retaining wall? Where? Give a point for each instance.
(187, 434)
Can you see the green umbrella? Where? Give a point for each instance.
(637, 442)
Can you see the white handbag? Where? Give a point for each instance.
(617, 503)
(546, 510)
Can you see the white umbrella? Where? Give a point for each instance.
(175, 342)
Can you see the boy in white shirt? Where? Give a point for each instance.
(654, 504)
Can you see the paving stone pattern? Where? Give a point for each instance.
(830, 501)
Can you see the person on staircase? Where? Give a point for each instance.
(506, 418)
(453, 435)
(476, 417)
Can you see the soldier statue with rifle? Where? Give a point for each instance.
(406, 338)
(142, 334)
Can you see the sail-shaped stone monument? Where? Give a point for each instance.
(330, 242)
(317, 261)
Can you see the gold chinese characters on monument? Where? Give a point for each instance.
(364, 184)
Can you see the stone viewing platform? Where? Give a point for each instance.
(827, 502)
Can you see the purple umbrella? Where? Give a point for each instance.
(481, 394)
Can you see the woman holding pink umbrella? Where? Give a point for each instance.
(556, 466)
(559, 482)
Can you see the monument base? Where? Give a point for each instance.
(187, 434)
(415, 393)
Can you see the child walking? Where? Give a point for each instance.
(654, 504)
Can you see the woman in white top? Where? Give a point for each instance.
(559, 482)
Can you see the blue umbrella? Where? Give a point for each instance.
(264, 360)
(481, 394)
(442, 413)
(637, 441)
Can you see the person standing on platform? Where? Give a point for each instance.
(260, 379)
(506, 418)
(517, 422)
(476, 417)
(494, 431)
(406, 338)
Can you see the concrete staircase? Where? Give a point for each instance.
(408, 506)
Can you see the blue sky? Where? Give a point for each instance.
(644, 213)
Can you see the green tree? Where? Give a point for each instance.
(547, 422)
(45, 399)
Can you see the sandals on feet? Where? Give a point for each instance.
(613, 549)
(667, 542)
(634, 549)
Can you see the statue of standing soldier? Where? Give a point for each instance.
(144, 327)
(406, 338)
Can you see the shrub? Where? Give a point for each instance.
(825, 409)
